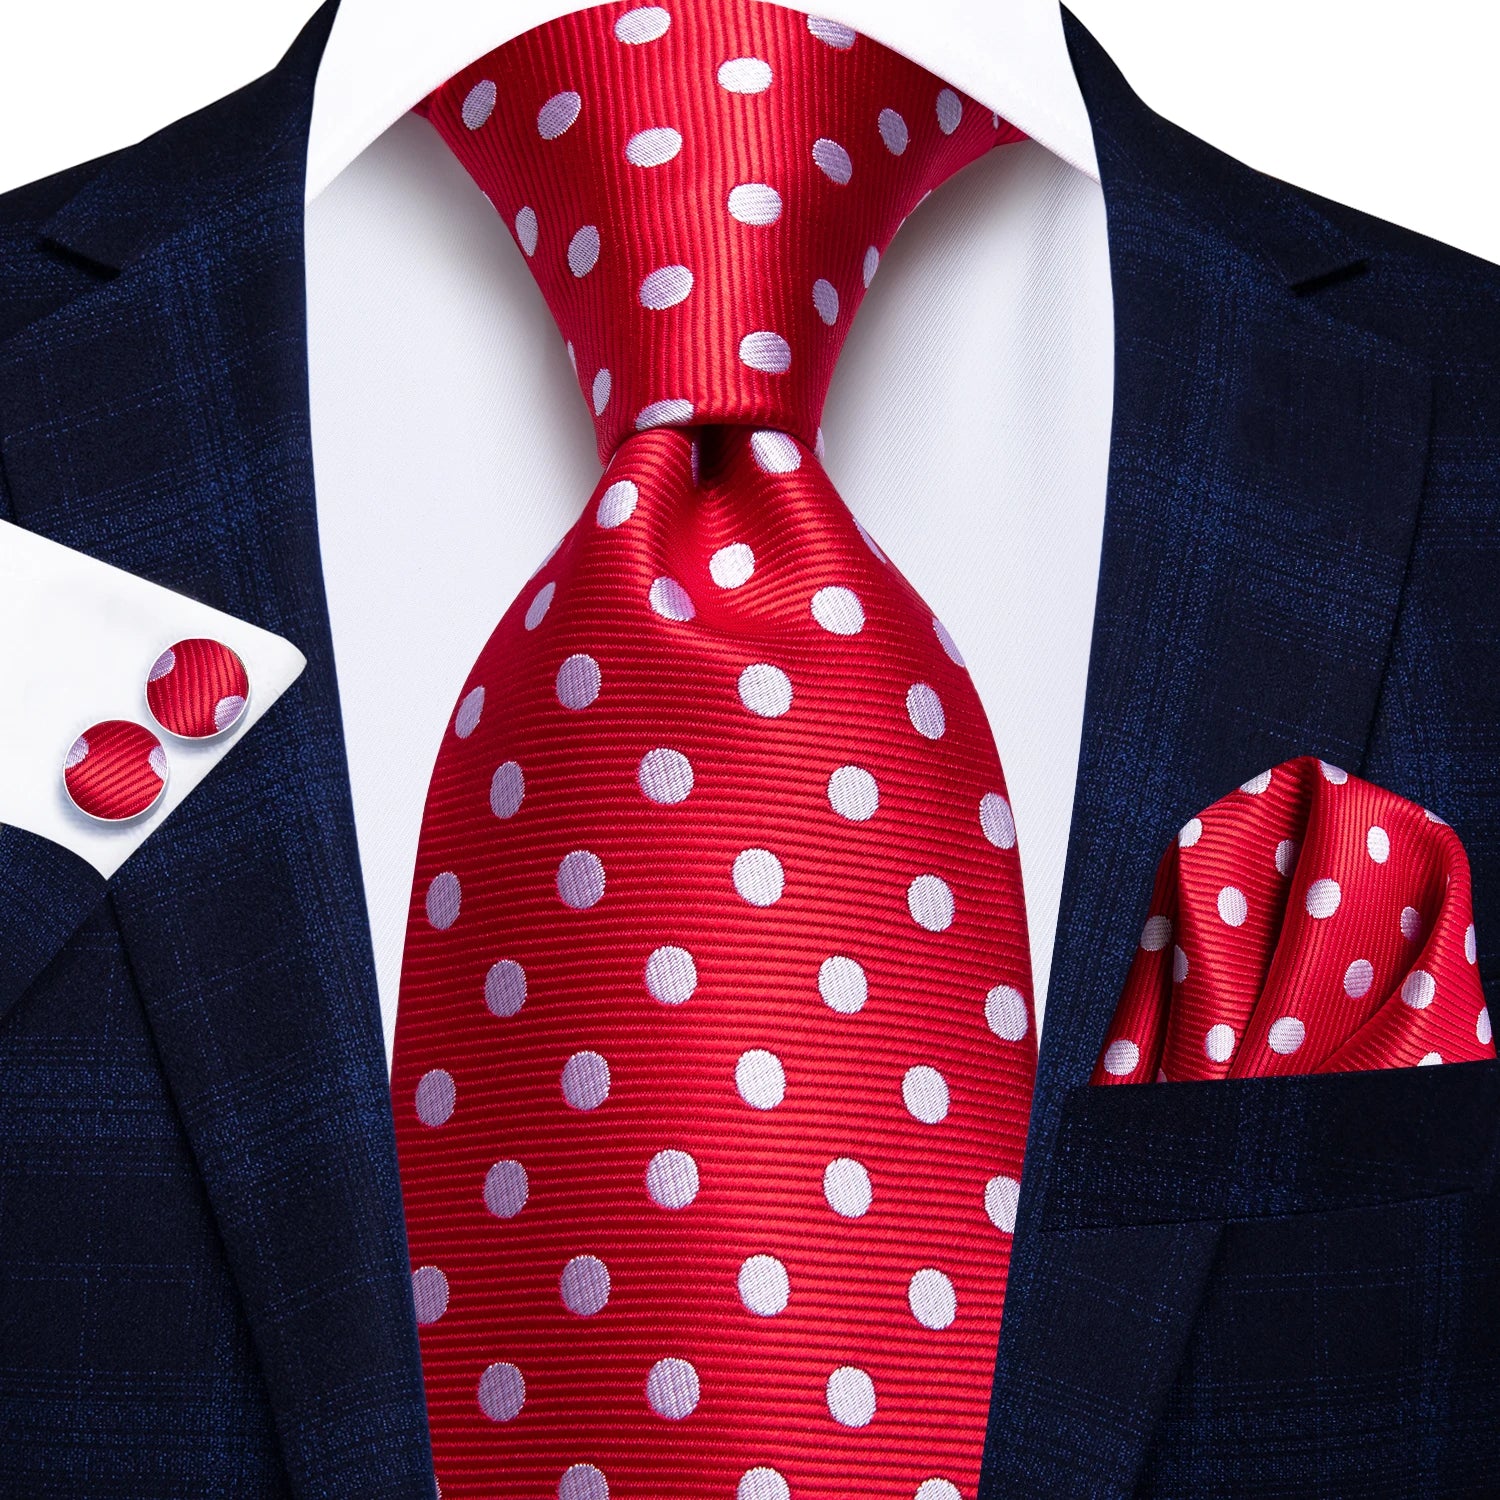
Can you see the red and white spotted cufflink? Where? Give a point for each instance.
(116, 770)
(197, 689)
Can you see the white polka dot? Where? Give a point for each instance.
(157, 760)
(930, 903)
(582, 251)
(1121, 1058)
(1483, 1028)
(754, 203)
(1378, 844)
(227, 710)
(1190, 833)
(893, 131)
(1179, 966)
(937, 1489)
(429, 1291)
(826, 300)
(617, 504)
(924, 1091)
(466, 720)
(997, 821)
(950, 111)
(654, 147)
(585, 1080)
(1286, 1035)
(604, 383)
(507, 789)
(766, 351)
(1218, 1045)
(502, 1392)
(933, 1302)
(1358, 978)
(672, 1179)
(832, 160)
(527, 229)
(672, 1389)
(671, 975)
(557, 114)
(946, 641)
(760, 1078)
(765, 690)
(1411, 923)
(583, 1481)
(925, 710)
(853, 794)
(775, 453)
(762, 1484)
(1334, 774)
(578, 681)
(1002, 1195)
(838, 610)
(1233, 907)
(835, 33)
(506, 1189)
(1471, 944)
(479, 103)
(435, 1097)
(1256, 784)
(668, 413)
(666, 287)
(1286, 856)
(505, 988)
(846, 1187)
(580, 879)
(572, 356)
(1429, 1059)
(758, 876)
(1156, 934)
(163, 666)
(732, 566)
(644, 24)
(1418, 988)
(764, 1286)
(665, 776)
(1005, 1013)
(78, 752)
(843, 985)
(871, 264)
(1323, 897)
(851, 1397)
(444, 896)
(584, 1285)
(541, 602)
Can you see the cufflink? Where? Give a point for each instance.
(115, 771)
(197, 689)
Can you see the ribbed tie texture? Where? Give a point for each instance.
(715, 1046)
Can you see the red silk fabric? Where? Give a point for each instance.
(1308, 922)
(715, 1046)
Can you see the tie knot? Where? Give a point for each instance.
(703, 192)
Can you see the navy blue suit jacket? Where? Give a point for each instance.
(1278, 1287)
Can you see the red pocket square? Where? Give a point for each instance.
(1309, 922)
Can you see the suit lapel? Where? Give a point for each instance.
(1265, 474)
(160, 422)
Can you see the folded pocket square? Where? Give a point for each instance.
(1309, 922)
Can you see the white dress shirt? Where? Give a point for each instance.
(967, 426)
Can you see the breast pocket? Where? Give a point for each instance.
(1252, 1148)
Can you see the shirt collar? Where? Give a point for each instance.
(383, 56)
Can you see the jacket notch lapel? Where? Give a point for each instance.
(1265, 478)
(159, 421)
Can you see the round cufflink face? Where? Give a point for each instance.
(197, 689)
(116, 770)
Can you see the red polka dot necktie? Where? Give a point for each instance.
(715, 1046)
(1308, 922)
